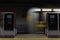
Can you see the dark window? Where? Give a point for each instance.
(40, 16)
(8, 21)
(52, 21)
(59, 21)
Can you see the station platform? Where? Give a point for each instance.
(30, 37)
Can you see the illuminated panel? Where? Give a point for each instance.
(46, 9)
(56, 9)
(33, 10)
(36, 9)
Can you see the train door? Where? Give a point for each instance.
(52, 24)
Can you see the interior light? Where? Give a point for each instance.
(46, 9)
(56, 9)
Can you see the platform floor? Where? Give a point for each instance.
(31, 36)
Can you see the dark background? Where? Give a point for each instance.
(20, 7)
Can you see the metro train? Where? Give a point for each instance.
(44, 22)
(36, 20)
(39, 22)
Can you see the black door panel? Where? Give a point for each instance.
(52, 21)
(8, 21)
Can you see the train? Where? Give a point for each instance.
(39, 21)
(44, 22)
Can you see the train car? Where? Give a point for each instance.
(35, 20)
(44, 22)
